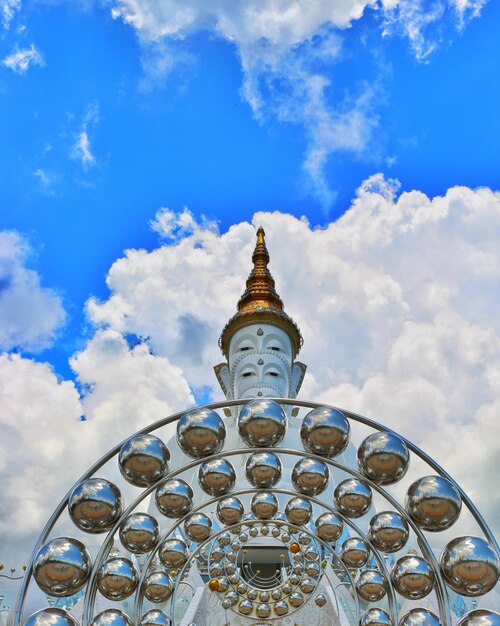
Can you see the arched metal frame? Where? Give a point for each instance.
(441, 590)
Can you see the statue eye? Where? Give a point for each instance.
(245, 348)
(247, 374)
(273, 374)
(275, 348)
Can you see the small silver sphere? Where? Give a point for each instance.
(143, 460)
(375, 617)
(232, 596)
(281, 608)
(470, 566)
(117, 578)
(296, 599)
(275, 594)
(216, 477)
(112, 617)
(320, 599)
(62, 566)
(325, 431)
(217, 553)
(263, 469)
(480, 617)
(139, 533)
(174, 498)
(371, 585)
(298, 511)
(230, 511)
(262, 423)
(329, 527)
(155, 617)
(224, 539)
(264, 596)
(388, 531)
(200, 432)
(384, 458)
(287, 588)
(158, 586)
(355, 552)
(51, 617)
(173, 553)
(433, 503)
(412, 577)
(353, 497)
(310, 477)
(95, 505)
(264, 530)
(311, 553)
(263, 610)
(252, 594)
(216, 569)
(419, 617)
(226, 603)
(245, 607)
(264, 505)
(304, 539)
(313, 569)
(307, 585)
(198, 527)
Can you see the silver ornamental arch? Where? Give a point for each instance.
(312, 545)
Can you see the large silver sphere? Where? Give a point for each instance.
(353, 497)
(198, 527)
(143, 460)
(262, 423)
(174, 498)
(480, 617)
(245, 607)
(412, 577)
(264, 505)
(375, 617)
(158, 586)
(51, 617)
(155, 617)
(325, 432)
(371, 585)
(296, 599)
(173, 553)
(329, 527)
(384, 458)
(62, 566)
(433, 503)
(310, 477)
(320, 599)
(230, 511)
(112, 617)
(470, 566)
(281, 608)
(298, 511)
(216, 477)
(139, 533)
(200, 432)
(355, 552)
(263, 469)
(419, 617)
(388, 531)
(95, 505)
(263, 610)
(117, 578)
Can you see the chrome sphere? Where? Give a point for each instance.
(95, 505)
(307, 585)
(296, 599)
(325, 431)
(310, 477)
(200, 432)
(252, 594)
(298, 511)
(216, 568)
(174, 498)
(51, 617)
(158, 586)
(412, 577)
(154, 617)
(313, 569)
(263, 469)
(198, 527)
(353, 497)
(388, 531)
(371, 585)
(173, 553)
(62, 566)
(245, 607)
(216, 477)
(375, 617)
(311, 553)
(470, 566)
(264, 596)
(355, 552)
(112, 617)
(263, 610)
(264, 505)
(139, 533)
(143, 460)
(230, 511)
(281, 608)
(262, 423)
(275, 594)
(419, 617)
(384, 458)
(117, 578)
(480, 617)
(304, 539)
(320, 599)
(329, 527)
(433, 503)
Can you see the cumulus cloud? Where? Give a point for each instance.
(21, 60)
(81, 149)
(8, 10)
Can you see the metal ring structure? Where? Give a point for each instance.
(440, 587)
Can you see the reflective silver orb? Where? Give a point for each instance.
(263, 469)
(375, 617)
(264, 596)
(275, 594)
(304, 539)
(143, 460)
(329, 527)
(296, 599)
(433, 503)
(470, 566)
(245, 607)
(298, 511)
(264, 505)
(262, 423)
(384, 458)
(480, 617)
(353, 497)
(412, 577)
(371, 585)
(281, 608)
(155, 617)
(216, 477)
(139, 533)
(62, 566)
(112, 617)
(173, 553)
(287, 588)
(158, 586)
(216, 568)
(325, 431)
(263, 610)
(200, 432)
(388, 531)
(264, 530)
(198, 527)
(51, 617)
(311, 553)
(117, 578)
(313, 568)
(419, 617)
(355, 552)
(310, 477)
(232, 596)
(252, 594)
(230, 511)
(226, 603)
(307, 585)
(174, 498)
(223, 583)
(95, 505)
(217, 553)
(320, 599)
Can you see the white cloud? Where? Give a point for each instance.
(173, 226)
(21, 60)
(8, 9)
(81, 149)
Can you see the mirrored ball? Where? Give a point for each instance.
(158, 586)
(310, 477)
(173, 553)
(139, 533)
(470, 566)
(51, 617)
(412, 577)
(325, 432)
(371, 585)
(174, 498)
(263, 469)
(143, 460)
(62, 566)
(200, 432)
(198, 527)
(433, 503)
(95, 505)
(419, 617)
(352, 497)
(355, 552)
(376, 617)
(155, 617)
(230, 511)
(262, 423)
(329, 527)
(480, 617)
(388, 531)
(216, 477)
(112, 617)
(117, 578)
(383, 458)
(264, 505)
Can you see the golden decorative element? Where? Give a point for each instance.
(294, 547)
(213, 584)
